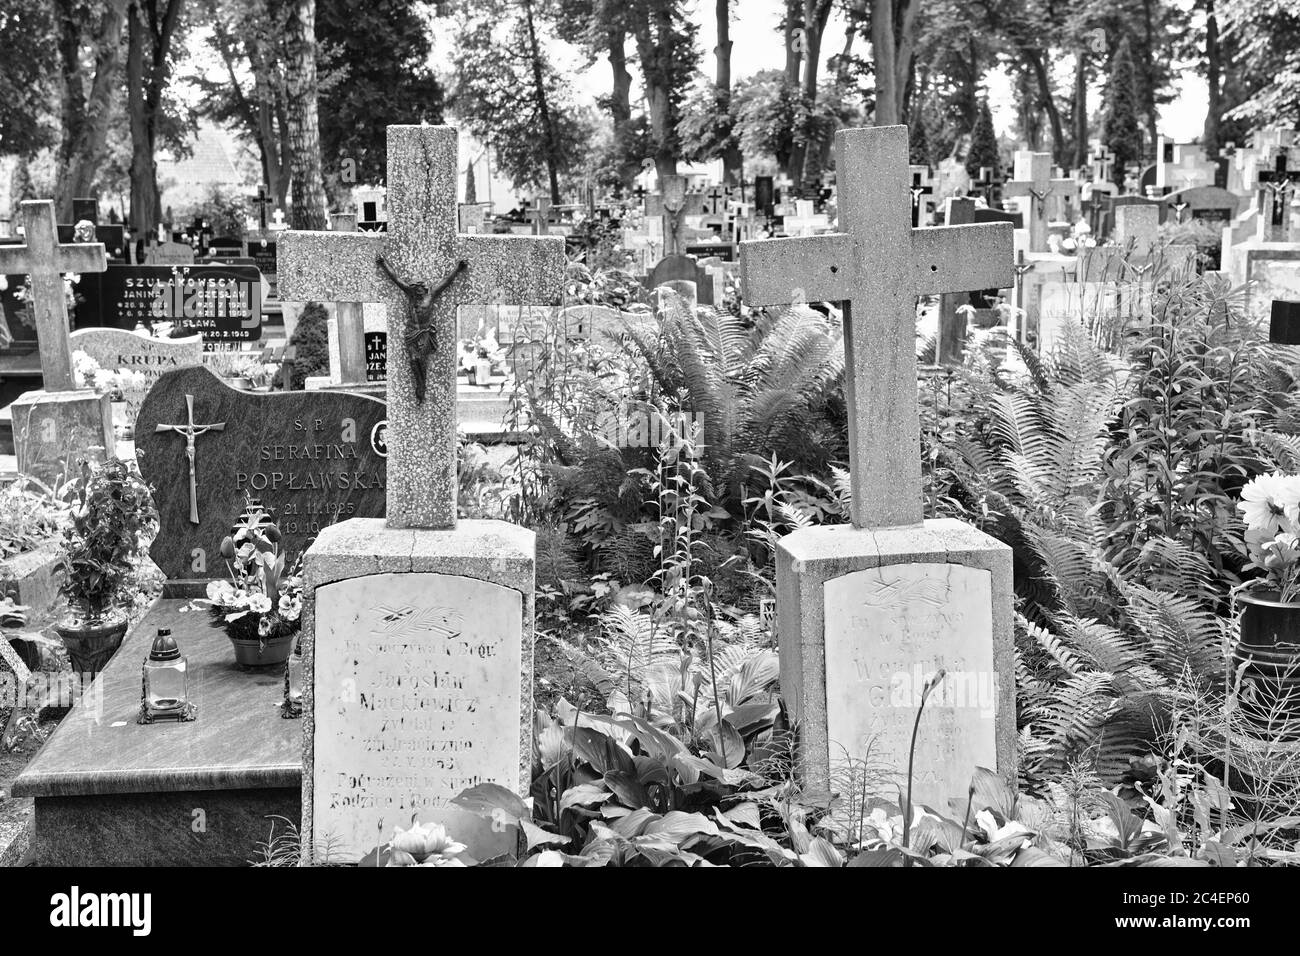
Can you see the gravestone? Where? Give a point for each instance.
(418, 629)
(313, 458)
(867, 612)
(58, 424)
(117, 349)
(169, 254)
(1209, 204)
(222, 303)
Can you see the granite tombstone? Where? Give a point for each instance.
(312, 458)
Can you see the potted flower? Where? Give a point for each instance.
(260, 607)
(1270, 620)
(112, 521)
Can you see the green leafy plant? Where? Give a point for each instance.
(113, 520)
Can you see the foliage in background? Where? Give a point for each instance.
(311, 340)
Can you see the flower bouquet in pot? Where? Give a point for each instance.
(113, 519)
(1270, 623)
(260, 607)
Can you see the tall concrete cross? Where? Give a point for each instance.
(877, 266)
(46, 260)
(422, 245)
(540, 216)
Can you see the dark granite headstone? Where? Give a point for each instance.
(1284, 323)
(221, 302)
(312, 458)
(984, 214)
(86, 208)
(673, 269)
(764, 195)
(113, 237)
(376, 344)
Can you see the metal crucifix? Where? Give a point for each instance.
(421, 334)
(191, 431)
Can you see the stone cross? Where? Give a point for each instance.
(1034, 179)
(191, 431)
(46, 260)
(986, 185)
(877, 266)
(422, 245)
(1276, 185)
(540, 215)
(717, 197)
(262, 201)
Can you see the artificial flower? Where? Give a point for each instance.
(1265, 501)
(259, 603)
(425, 844)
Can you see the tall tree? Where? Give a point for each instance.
(305, 177)
(152, 27)
(808, 142)
(90, 41)
(1123, 133)
(732, 158)
(28, 79)
(983, 144)
(665, 45)
(893, 39)
(510, 97)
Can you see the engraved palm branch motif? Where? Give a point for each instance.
(407, 620)
(899, 593)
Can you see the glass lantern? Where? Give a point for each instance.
(292, 706)
(165, 682)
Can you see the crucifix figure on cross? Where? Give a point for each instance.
(191, 431)
(876, 266)
(1034, 179)
(921, 186)
(422, 242)
(1276, 184)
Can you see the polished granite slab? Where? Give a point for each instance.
(239, 741)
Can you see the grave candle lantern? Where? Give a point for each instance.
(165, 687)
(292, 706)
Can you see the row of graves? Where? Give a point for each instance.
(416, 670)
(1086, 249)
(138, 308)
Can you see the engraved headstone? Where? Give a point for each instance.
(313, 458)
(119, 350)
(877, 605)
(223, 303)
(417, 630)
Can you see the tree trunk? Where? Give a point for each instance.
(1213, 77)
(809, 171)
(893, 35)
(656, 54)
(145, 201)
(793, 45)
(732, 159)
(305, 179)
(620, 106)
(1044, 83)
(1080, 109)
(543, 106)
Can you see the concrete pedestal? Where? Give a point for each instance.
(53, 431)
(418, 656)
(864, 618)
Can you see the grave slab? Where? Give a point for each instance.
(111, 792)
